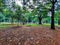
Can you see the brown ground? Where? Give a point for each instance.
(29, 36)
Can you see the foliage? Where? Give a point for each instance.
(1, 5)
(30, 12)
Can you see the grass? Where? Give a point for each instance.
(41, 25)
(6, 25)
(30, 25)
(37, 25)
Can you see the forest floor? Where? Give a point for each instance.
(27, 35)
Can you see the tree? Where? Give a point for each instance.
(40, 10)
(9, 14)
(24, 10)
(18, 13)
(52, 2)
(1, 5)
(6, 13)
(53, 12)
(57, 12)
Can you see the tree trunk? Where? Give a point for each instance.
(58, 21)
(52, 16)
(18, 22)
(40, 19)
(11, 20)
(29, 19)
(23, 23)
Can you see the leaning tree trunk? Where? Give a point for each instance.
(52, 16)
(40, 19)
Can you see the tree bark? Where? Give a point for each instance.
(52, 16)
(58, 21)
(40, 19)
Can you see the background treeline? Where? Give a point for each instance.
(39, 12)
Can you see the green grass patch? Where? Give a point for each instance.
(6, 25)
(45, 25)
(37, 24)
(31, 25)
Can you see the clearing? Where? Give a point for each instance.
(25, 35)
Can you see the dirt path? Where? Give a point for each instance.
(29, 36)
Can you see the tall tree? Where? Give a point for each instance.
(24, 7)
(18, 13)
(40, 9)
(52, 2)
(53, 12)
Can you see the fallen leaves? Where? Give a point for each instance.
(29, 36)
